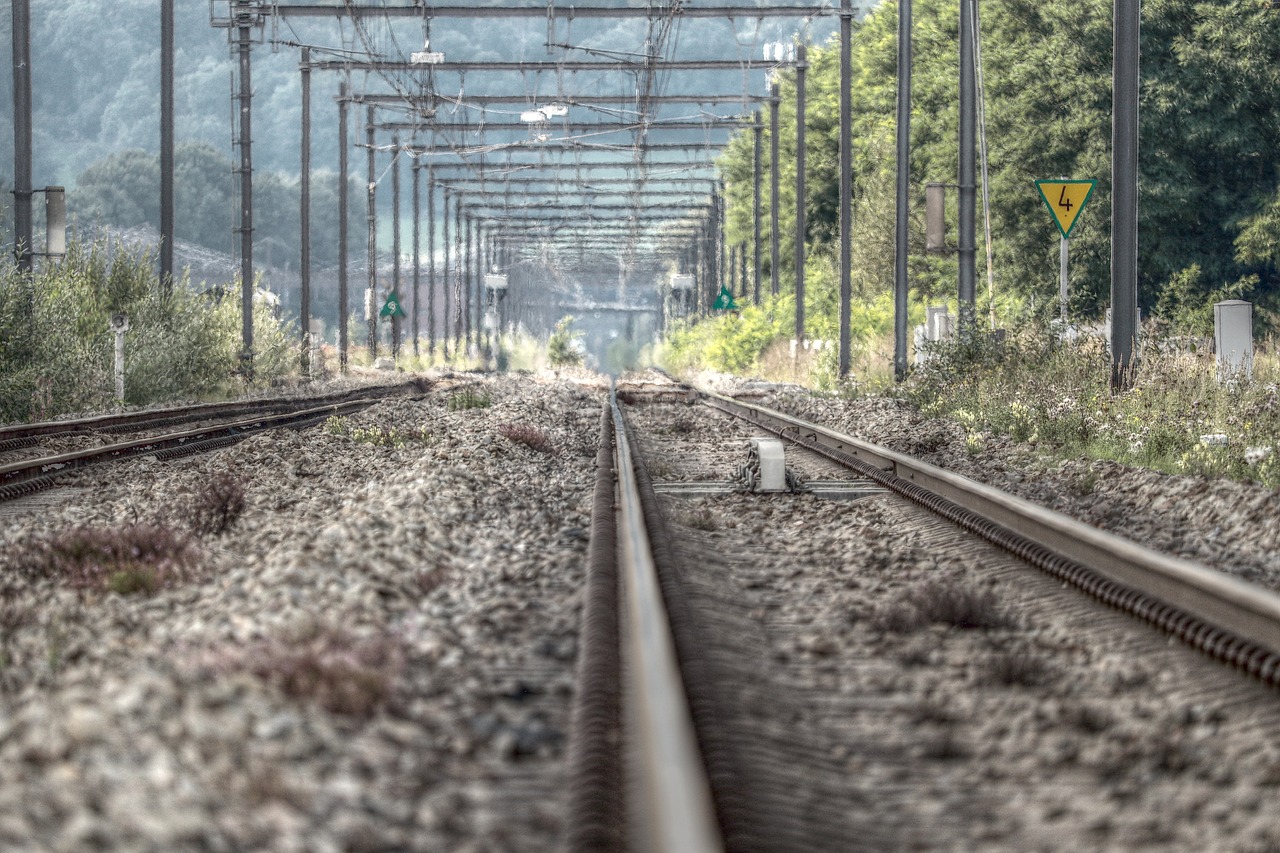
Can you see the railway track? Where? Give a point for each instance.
(221, 425)
(726, 795)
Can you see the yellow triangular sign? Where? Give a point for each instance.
(1065, 200)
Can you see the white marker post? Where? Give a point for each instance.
(120, 325)
(1065, 200)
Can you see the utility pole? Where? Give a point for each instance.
(245, 19)
(343, 307)
(801, 226)
(774, 238)
(417, 249)
(846, 186)
(903, 186)
(1124, 193)
(444, 338)
(166, 147)
(758, 132)
(23, 227)
(431, 262)
(459, 275)
(371, 218)
(968, 186)
(468, 284)
(395, 243)
(304, 193)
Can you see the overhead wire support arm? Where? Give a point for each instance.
(533, 66)
(311, 10)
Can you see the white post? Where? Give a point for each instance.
(1062, 280)
(120, 325)
(1233, 339)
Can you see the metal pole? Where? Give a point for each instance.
(304, 193)
(343, 307)
(742, 269)
(395, 243)
(468, 283)
(166, 147)
(1063, 295)
(758, 129)
(968, 187)
(245, 101)
(371, 219)
(1124, 193)
(846, 186)
(903, 187)
(459, 275)
(723, 273)
(23, 227)
(431, 262)
(801, 226)
(775, 248)
(417, 249)
(448, 297)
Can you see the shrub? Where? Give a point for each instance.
(530, 436)
(57, 353)
(944, 602)
(131, 559)
(1019, 669)
(217, 506)
(564, 345)
(328, 665)
(469, 398)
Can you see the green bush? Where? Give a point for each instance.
(57, 351)
(562, 347)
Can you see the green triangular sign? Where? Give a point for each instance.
(724, 302)
(392, 307)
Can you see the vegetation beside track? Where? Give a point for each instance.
(1058, 397)
(57, 349)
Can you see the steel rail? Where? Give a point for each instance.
(16, 435)
(28, 475)
(1223, 616)
(678, 811)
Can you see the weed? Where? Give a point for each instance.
(700, 519)
(217, 506)
(530, 436)
(375, 435)
(142, 579)
(1091, 719)
(469, 398)
(1085, 485)
(944, 602)
(328, 665)
(129, 559)
(1019, 669)
(944, 746)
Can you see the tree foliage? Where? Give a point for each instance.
(1210, 108)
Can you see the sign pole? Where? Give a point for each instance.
(1063, 297)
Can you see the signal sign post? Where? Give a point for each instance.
(1065, 200)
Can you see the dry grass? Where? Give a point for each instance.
(1019, 669)
(530, 436)
(945, 602)
(136, 558)
(217, 506)
(327, 665)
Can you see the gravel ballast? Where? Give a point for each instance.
(377, 655)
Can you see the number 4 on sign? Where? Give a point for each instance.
(1065, 200)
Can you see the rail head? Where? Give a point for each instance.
(1219, 598)
(670, 778)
